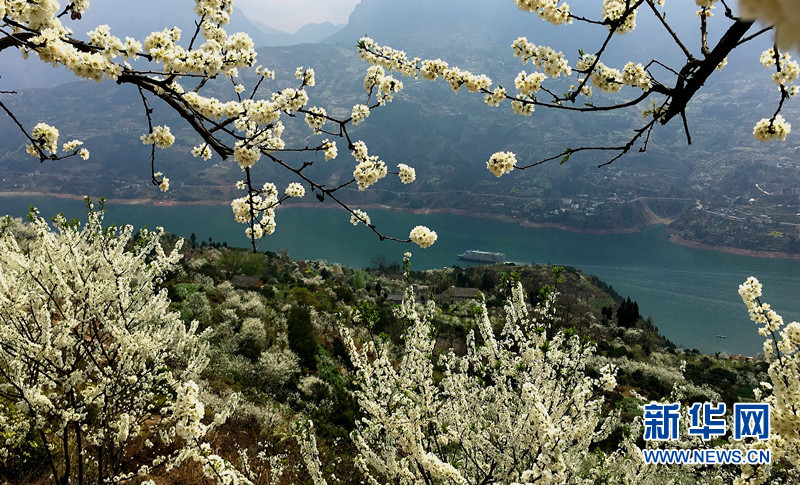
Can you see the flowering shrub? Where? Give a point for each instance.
(518, 408)
(782, 352)
(94, 367)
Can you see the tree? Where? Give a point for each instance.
(301, 335)
(95, 370)
(608, 313)
(782, 352)
(628, 313)
(668, 89)
(518, 408)
(247, 127)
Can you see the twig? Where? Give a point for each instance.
(672, 33)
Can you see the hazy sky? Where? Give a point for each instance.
(289, 15)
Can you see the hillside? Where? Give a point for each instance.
(274, 331)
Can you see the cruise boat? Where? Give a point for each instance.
(482, 256)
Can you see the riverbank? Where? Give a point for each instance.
(674, 239)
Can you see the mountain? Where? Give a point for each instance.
(150, 16)
(715, 190)
(307, 34)
(475, 26)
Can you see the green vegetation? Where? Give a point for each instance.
(272, 325)
(276, 341)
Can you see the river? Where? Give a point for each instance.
(690, 293)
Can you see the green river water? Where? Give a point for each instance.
(690, 293)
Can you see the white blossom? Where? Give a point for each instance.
(295, 190)
(407, 174)
(775, 129)
(359, 216)
(423, 236)
(161, 136)
(501, 163)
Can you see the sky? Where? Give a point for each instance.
(289, 15)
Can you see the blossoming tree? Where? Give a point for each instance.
(246, 127)
(782, 352)
(661, 91)
(95, 370)
(518, 408)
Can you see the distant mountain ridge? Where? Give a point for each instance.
(151, 15)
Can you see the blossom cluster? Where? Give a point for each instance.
(527, 84)
(772, 129)
(369, 168)
(457, 77)
(385, 56)
(163, 182)
(423, 236)
(257, 209)
(359, 216)
(245, 154)
(407, 174)
(308, 450)
(501, 163)
(220, 54)
(548, 10)
(306, 76)
(613, 12)
(431, 69)
(315, 119)
(45, 139)
(385, 85)
(203, 151)
(360, 113)
(496, 96)
(612, 80)
(553, 63)
(160, 136)
(787, 70)
(760, 313)
(329, 147)
(295, 190)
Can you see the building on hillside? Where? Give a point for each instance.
(247, 281)
(456, 294)
(421, 292)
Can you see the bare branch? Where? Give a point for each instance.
(669, 29)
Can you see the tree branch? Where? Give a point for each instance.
(683, 92)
